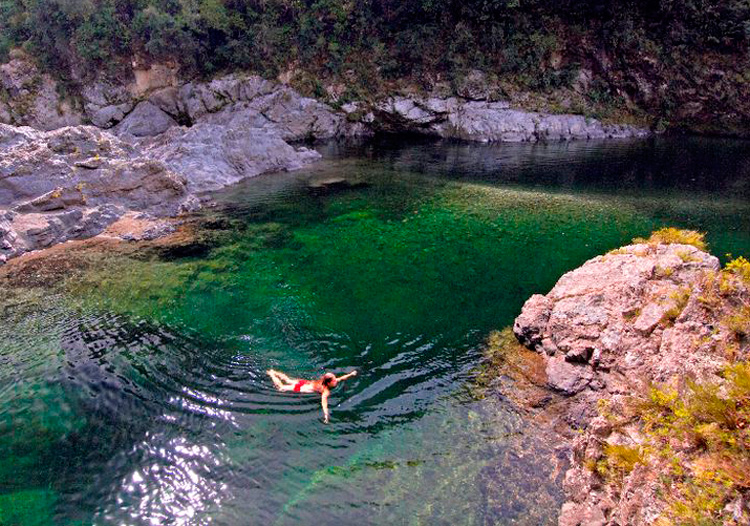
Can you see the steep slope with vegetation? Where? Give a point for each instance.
(647, 349)
(679, 64)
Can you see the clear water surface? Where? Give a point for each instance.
(132, 388)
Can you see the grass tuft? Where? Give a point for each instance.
(740, 267)
(680, 299)
(671, 235)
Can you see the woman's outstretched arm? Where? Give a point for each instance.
(324, 403)
(346, 376)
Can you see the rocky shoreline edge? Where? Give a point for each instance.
(154, 149)
(638, 359)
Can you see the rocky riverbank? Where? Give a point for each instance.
(74, 182)
(157, 100)
(70, 168)
(644, 351)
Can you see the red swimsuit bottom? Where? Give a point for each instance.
(299, 385)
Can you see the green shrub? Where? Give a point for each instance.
(715, 419)
(392, 39)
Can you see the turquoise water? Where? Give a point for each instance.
(132, 387)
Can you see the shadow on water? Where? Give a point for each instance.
(134, 391)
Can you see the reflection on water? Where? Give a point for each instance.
(135, 391)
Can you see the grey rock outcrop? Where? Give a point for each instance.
(154, 101)
(213, 156)
(30, 97)
(146, 120)
(73, 182)
(41, 230)
(106, 103)
(485, 121)
(609, 317)
(253, 102)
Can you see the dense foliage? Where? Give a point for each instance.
(399, 36)
(536, 45)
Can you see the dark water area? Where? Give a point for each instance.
(134, 390)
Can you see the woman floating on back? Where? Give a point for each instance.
(322, 385)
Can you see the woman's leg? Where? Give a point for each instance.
(285, 378)
(276, 380)
(281, 381)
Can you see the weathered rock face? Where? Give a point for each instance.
(106, 104)
(237, 102)
(608, 330)
(212, 156)
(146, 120)
(155, 101)
(41, 230)
(627, 314)
(484, 121)
(30, 97)
(73, 182)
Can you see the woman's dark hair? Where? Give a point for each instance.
(328, 378)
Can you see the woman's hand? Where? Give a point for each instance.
(347, 376)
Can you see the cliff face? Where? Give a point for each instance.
(640, 342)
(156, 99)
(676, 64)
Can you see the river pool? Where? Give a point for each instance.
(133, 386)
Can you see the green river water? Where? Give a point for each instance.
(133, 387)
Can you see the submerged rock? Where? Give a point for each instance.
(333, 184)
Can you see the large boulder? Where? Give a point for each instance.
(620, 313)
(146, 120)
(641, 316)
(106, 103)
(212, 156)
(253, 102)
